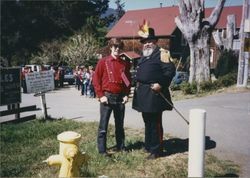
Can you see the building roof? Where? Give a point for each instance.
(162, 20)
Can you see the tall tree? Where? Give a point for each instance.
(79, 49)
(25, 24)
(225, 41)
(119, 9)
(197, 31)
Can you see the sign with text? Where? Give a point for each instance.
(10, 86)
(40, 81)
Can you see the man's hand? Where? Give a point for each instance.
(156, 87)
(103, 99)
(125, 100)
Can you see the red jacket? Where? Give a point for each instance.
(108, 76)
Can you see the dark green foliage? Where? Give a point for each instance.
(224, 81)
(207, 86)
(175, 87)
(188, 88)
(227, 80)
(227, 63)
(25, 24)
(119, 10)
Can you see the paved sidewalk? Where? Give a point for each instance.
(227, 122)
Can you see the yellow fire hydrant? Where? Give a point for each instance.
(69, 158)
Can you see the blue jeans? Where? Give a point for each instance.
(105, 112)
(85, 88)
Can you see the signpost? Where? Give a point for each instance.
(10, 86)
(39, 83)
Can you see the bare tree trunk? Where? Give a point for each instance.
(199, 60)
(197, 31)
(226, 41)
(192, 63)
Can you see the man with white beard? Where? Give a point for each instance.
(154, 75)
(148, 48)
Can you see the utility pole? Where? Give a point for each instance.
(244, 56)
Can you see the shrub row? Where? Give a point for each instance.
(224, 81)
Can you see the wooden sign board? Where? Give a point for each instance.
(10, 86)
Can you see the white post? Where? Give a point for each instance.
(196, 144)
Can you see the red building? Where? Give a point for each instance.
(163, 21)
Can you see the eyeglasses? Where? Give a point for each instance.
(118, 46)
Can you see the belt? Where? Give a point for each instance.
(107, 93)
(140, 83)
(114, 98)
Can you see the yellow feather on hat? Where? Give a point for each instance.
(143, 29)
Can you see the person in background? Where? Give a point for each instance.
(154, 75)
(56, 76)
(91, 87)
(35, 69)
(77, 74)
(24, 72)
(85, 81)
(61, 76)
(112, 86)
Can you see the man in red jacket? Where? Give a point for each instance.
(112, 86)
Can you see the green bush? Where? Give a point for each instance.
(188, 88)
(227, 63)
(175, 87)
(227, 80)
(208, 86)
(224, 81)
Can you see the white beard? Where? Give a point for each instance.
(148, 50)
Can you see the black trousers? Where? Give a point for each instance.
(105, 112)
(153, 132)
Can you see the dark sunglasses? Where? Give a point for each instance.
(118, 46)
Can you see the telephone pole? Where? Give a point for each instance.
(244, 56)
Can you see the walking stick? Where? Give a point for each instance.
(174, 108)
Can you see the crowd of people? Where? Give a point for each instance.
(84, 81)
(82, 75)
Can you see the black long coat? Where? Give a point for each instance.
(152, 70)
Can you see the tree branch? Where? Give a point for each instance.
(179, 24)
(213, 18)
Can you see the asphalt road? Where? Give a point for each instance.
(227, 121)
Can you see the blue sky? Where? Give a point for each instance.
(146, 4)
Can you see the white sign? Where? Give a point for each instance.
(236, 44)
(247, 26)
(40, 81)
